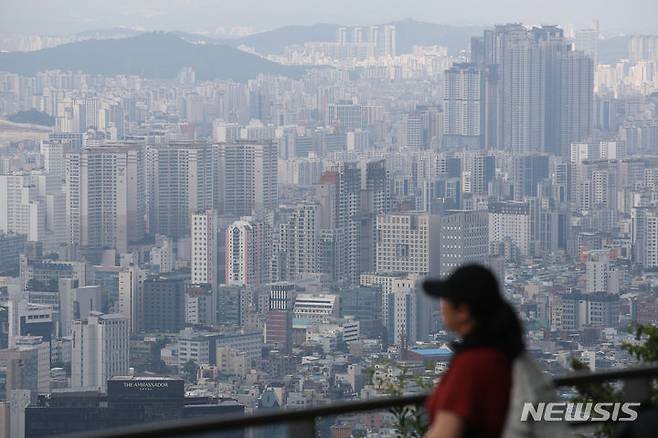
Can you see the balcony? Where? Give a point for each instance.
(298, 423)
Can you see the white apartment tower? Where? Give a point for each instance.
(201, 304)
(100, 350)
(23, 210)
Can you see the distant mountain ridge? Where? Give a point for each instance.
(156, 55)
(409, 33)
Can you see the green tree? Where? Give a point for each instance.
(410, 421)
(189, 371)
(645, 350)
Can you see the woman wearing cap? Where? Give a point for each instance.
(472, 398)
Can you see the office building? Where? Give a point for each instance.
(405, 243)
(130, 401)
(316, 307)
(346, 115)
(100, 349)
(164, 303)
(464, 239)
(509, 229)
(11, 246)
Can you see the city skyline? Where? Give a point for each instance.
(189, 228)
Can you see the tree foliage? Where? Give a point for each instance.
(644, 350)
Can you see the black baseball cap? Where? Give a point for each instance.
(473, 285)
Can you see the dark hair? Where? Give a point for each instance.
(498, 327)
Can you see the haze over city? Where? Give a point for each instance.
(218, 213)
(67, 16)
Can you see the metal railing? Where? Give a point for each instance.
(302, 422)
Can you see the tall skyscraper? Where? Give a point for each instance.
(375, 200)
(587, 41)
(131, 296)
(402, 308)
(100, 349)
(72, 206)
(411, 131)
(348, 199)
(388, 46)
(182, 179)
(248, 251)
(201, 299)
(248, 173)
(574, 85)
(527, 172)
(112, 196)
(299, 240)
(535, 87)
(462, 105)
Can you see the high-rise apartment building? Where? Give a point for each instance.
(201, 299)
(24, 210)
(299, 238)
(538, 93)
(574, 96)
(248, 177)
(182, 179)
(112, 196)
(248, 251)
(462, 105)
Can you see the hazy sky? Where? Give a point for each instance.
(66, 16)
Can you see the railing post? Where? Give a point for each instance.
(302, 428)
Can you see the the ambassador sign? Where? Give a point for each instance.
(145, 386)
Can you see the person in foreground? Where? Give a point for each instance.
(472, 397)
